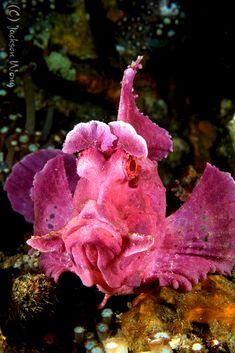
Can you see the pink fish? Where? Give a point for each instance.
(98, 207)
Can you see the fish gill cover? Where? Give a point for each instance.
(98, 207)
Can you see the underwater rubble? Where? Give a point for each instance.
(202, 320)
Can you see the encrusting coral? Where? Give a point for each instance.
(203, 318)
(98, 207)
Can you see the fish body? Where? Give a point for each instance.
(98, 207)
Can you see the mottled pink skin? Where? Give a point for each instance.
(129, 112)
(104, 219)
(19, 185)
(111, 225)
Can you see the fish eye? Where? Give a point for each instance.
(132, 168)
(132, 165)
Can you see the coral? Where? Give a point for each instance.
(98, 207)
(2, 342)
(231, 129)
(183, 188)
(23, 262)
(95, 342)
(115, 345)
(226, 109)
(39, 34)
(15, 142)
(202, 136)
(113, 12)
(226, 141)
(90, 80)
(181, 151)
(76, 36)
(61, 65)
(203, 317)
(32, 294)
(146, 25)
(221, 295)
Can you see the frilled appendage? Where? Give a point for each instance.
(158, 139)
(200, 236)
(101, 214)
(19, 184)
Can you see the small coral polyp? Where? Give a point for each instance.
(90, 218)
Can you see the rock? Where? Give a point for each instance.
(201, 319)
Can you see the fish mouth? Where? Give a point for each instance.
(93, 243)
